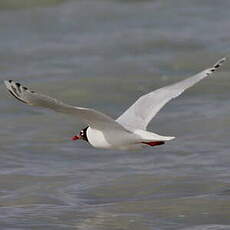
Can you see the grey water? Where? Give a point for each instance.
(104, 54)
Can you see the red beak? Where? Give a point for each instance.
(74, 138)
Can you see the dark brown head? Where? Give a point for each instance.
(82, 135)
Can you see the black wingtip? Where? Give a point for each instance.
(218, 64)
(14, 89)
(16, 97)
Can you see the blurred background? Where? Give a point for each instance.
(104, 54)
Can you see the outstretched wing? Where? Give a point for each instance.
(92, 117)
(146, 107)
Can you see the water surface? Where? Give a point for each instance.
(104, 54)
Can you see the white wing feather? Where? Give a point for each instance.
(93, 118)
(147, 106)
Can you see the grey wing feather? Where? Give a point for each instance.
(93, 118)
(147, 106)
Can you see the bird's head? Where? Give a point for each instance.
(82, 135)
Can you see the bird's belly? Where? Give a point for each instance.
(97, 138)
(110, 140)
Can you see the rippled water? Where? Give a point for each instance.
(104, 54)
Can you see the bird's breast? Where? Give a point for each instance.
(97, 138)
(109, 139)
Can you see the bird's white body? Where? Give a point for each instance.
(108, 139)
(112, 140)
(128, 132)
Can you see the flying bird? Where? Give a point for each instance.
(127, 132)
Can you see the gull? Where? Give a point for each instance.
(128, 131)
